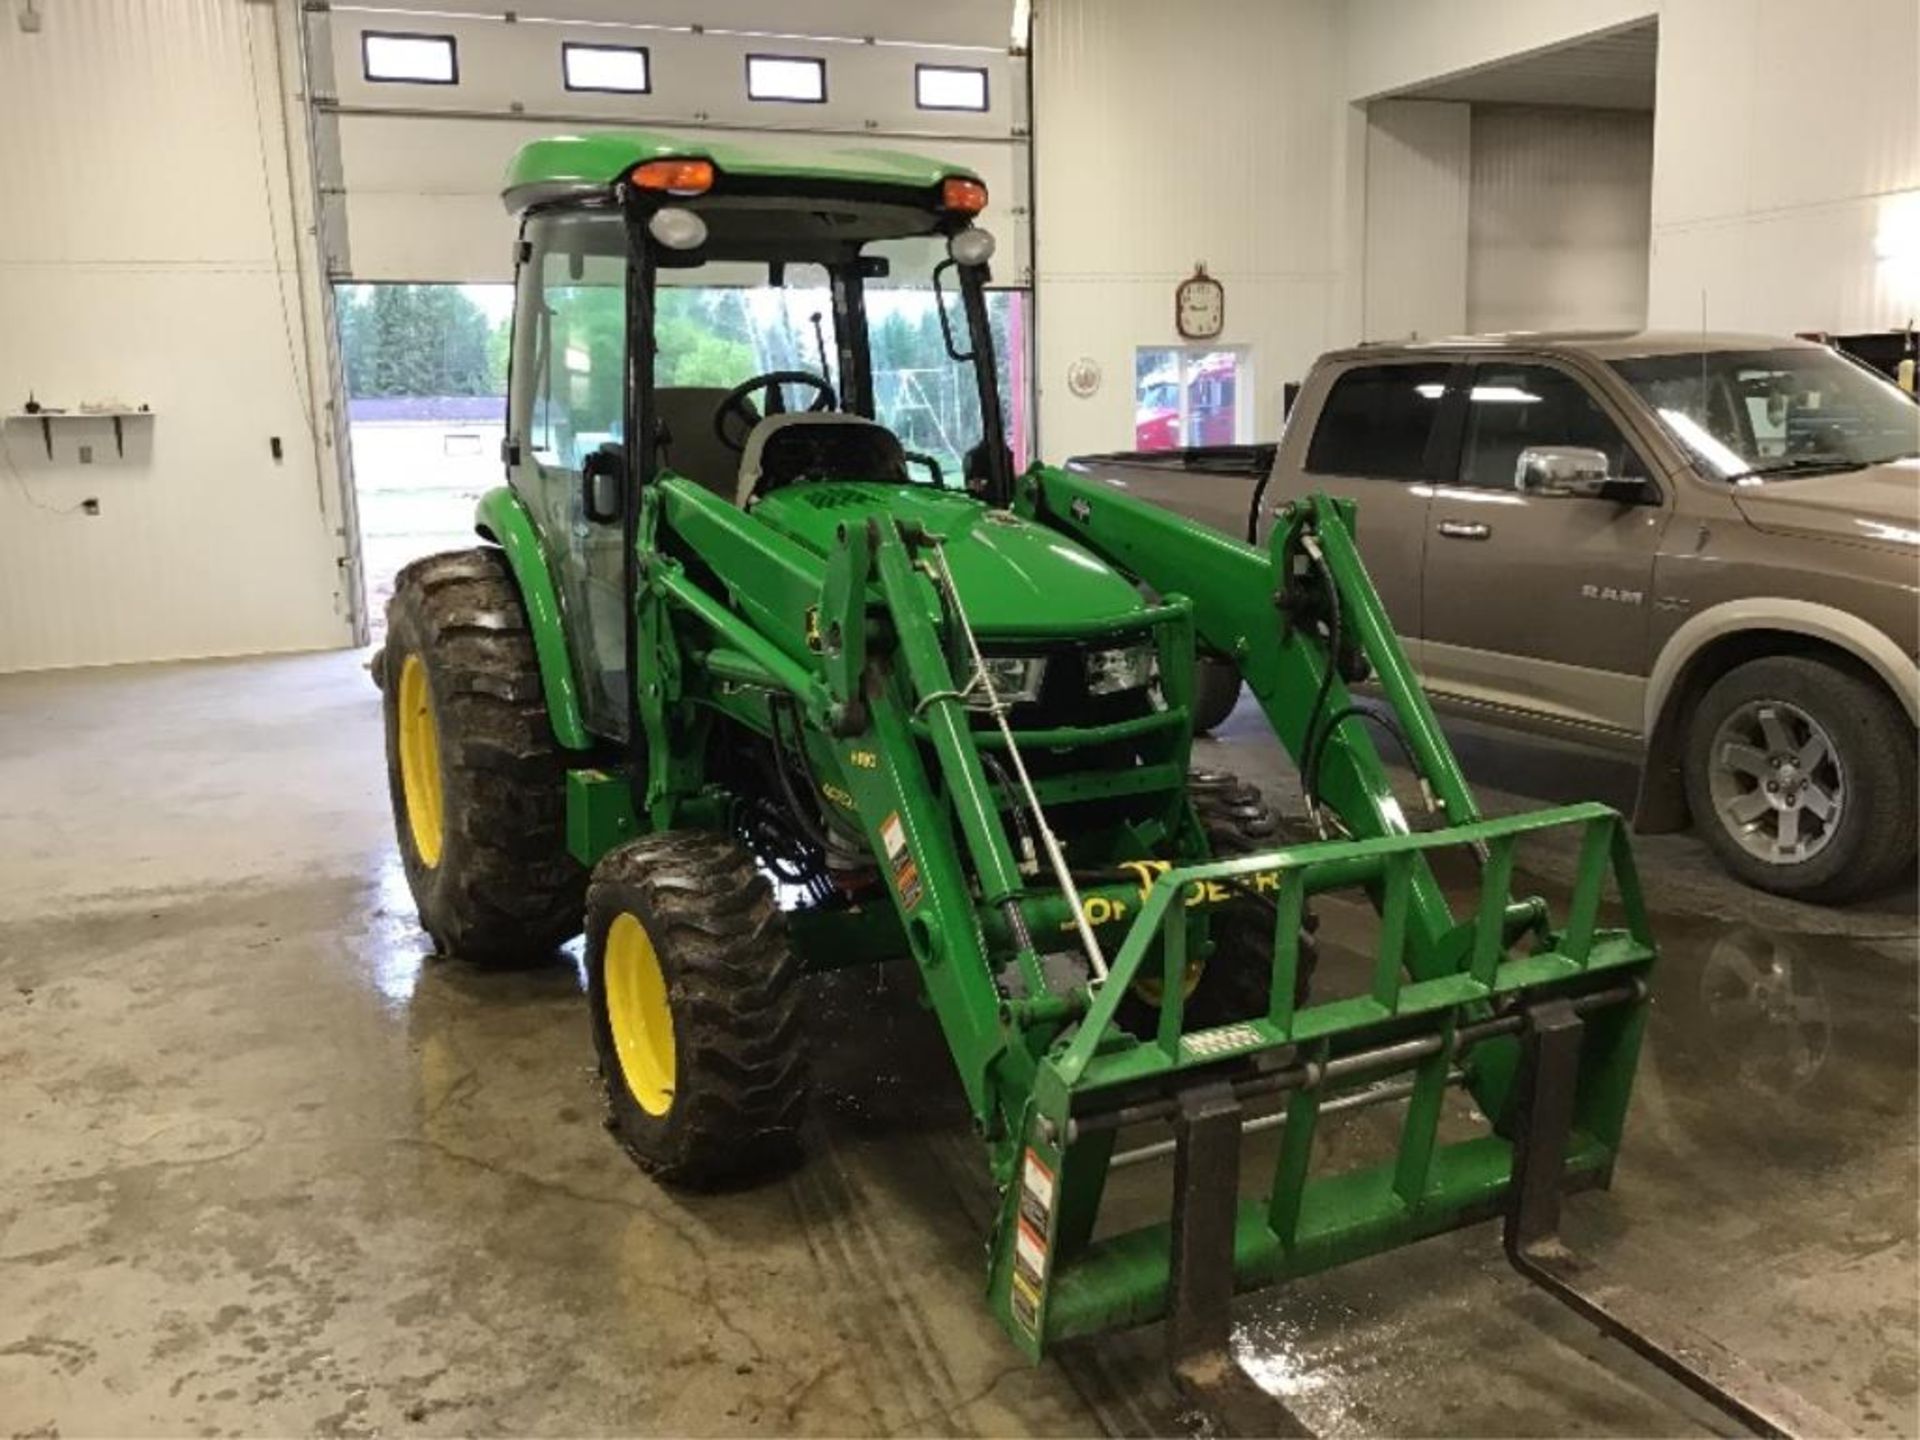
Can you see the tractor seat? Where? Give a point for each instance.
(785, 448)
(687, 443)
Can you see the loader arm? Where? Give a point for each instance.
(1248, 603)
(1243, 606)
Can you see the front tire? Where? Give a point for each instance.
(694, 993)
(1800, 774)
(1236, 982)
(476, 777)
(1216, 690)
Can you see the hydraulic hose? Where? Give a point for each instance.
(1310, 772)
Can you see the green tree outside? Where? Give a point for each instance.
(419, 340)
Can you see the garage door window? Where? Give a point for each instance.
(1377, 421)
(798, 79)
(949, 87)
(409, 59)
(607, 69)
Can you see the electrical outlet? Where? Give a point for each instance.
(90, 505)
(30, 19)
(86, 454)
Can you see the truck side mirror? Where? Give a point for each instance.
(1562, 471)
(603, 484)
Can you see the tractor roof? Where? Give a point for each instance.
(574, 166)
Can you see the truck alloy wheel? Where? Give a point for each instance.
(1776, 781)
(1800, 775)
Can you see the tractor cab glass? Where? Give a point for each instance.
(792, 340)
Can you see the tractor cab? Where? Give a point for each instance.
(764, 289)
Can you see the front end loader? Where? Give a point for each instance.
(748, 689)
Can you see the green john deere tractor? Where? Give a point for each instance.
(775, 668)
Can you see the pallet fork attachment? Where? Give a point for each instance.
(1198, 1333)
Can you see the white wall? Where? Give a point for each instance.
(1169, 135)
(1417, 158)
(138, 262)
(1559, 216)
(1786, 188)
(1786, 144)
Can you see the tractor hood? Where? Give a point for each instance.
(1011, 573)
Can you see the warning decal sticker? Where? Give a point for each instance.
(1030, 1244)
(906, 874)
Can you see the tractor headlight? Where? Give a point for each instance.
(1016, 680)
(1131, 667)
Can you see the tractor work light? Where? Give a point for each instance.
(1016, 680)
(962, 196)
(1129, 668)
(677, 228)
(674, 177)
(971, 246)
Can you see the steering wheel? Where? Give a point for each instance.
(733, 422)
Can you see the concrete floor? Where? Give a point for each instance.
(269, 1167)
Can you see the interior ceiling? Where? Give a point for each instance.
(1613, 71)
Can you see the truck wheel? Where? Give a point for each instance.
(1236, 981)
(1216, 690)
(477, 780)
(1801, 775)
(696, 1009)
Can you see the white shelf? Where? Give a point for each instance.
(46, 419)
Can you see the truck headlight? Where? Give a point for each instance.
(1131, 667)
(1016, 680)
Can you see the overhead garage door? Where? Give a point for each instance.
(412, 168)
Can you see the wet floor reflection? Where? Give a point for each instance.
(1772, 1129)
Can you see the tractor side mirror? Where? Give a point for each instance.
(603, 484)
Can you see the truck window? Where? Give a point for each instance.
(1377, 420)
(1513, 406)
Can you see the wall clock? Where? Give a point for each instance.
(1200, 306)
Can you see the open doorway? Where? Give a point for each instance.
(426, 369)
(1517, 195)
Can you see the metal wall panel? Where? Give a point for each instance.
(1416, 237)
(1168, 135)
(148, 257)
(1393, 46)
(1559, 216)
(1786, 188)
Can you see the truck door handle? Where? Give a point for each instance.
(1465, 530)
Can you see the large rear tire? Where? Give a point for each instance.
(477, 779)
(696, 1009)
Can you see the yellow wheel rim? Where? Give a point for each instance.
(1150, 987)
(639, 1015)
(420, 762)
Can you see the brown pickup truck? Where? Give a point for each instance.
(1702, 548)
